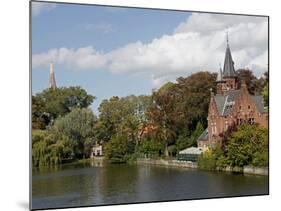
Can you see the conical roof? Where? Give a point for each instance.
(219, 76)
(228, 67)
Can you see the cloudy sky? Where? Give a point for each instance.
(119, 51)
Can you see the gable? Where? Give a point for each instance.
(225, 103)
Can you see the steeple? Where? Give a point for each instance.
(228, 67)
(52, 81)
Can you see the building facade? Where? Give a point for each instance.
(97, 150)
(231, 106)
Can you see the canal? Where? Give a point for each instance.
(99, 183)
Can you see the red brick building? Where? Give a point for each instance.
(231, 106)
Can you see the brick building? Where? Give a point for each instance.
(230, 105)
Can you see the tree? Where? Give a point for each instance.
(77, 126)
(193, 97)
(119, 149)
(50, 104)
(254, 85)
(121, 116)
(248, 145)
(47, 150)
(249, 78)
(178, 107)
(162, 113)
(189, 141)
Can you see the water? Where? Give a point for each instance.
(97, 183)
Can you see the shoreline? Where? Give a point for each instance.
(250, 170)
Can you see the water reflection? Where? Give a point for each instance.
(96, 182)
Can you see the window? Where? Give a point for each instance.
(251, 121)
(239, 121)
(240, 107)
(249, 106)
(214, 128)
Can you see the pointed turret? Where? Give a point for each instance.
(220, 82)
(219, 76)
(52, 81)
(229, 74)
(228, 67)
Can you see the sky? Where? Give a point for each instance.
(111, 51)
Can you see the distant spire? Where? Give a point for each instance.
(228, 67)
(52, 81)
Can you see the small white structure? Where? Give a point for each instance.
(190, 154)
(97, 150)
(192, 151)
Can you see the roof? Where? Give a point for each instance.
(225, 103)
(192, 150)
(204, 135)
(228, 67)
(258, 99)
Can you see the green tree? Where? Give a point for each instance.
(184, 141)
(119, 149)
(77, 126)
(151, 148)
(52, 103)
(121, 116)
(47, 150)
(248, 145)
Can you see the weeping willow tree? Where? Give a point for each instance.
(68, 139)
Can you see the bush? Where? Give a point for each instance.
(207, 161)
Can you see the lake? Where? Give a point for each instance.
(100, 183)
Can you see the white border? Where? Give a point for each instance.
(14, 17)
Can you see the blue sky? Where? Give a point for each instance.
(113, 51)
(72, 26)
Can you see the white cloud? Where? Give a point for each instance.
(196, 44)
(39, 7)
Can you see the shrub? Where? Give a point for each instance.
(207, 161)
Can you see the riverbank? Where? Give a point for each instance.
(188, 164)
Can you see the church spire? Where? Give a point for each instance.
(52, 81)
(228, 67)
